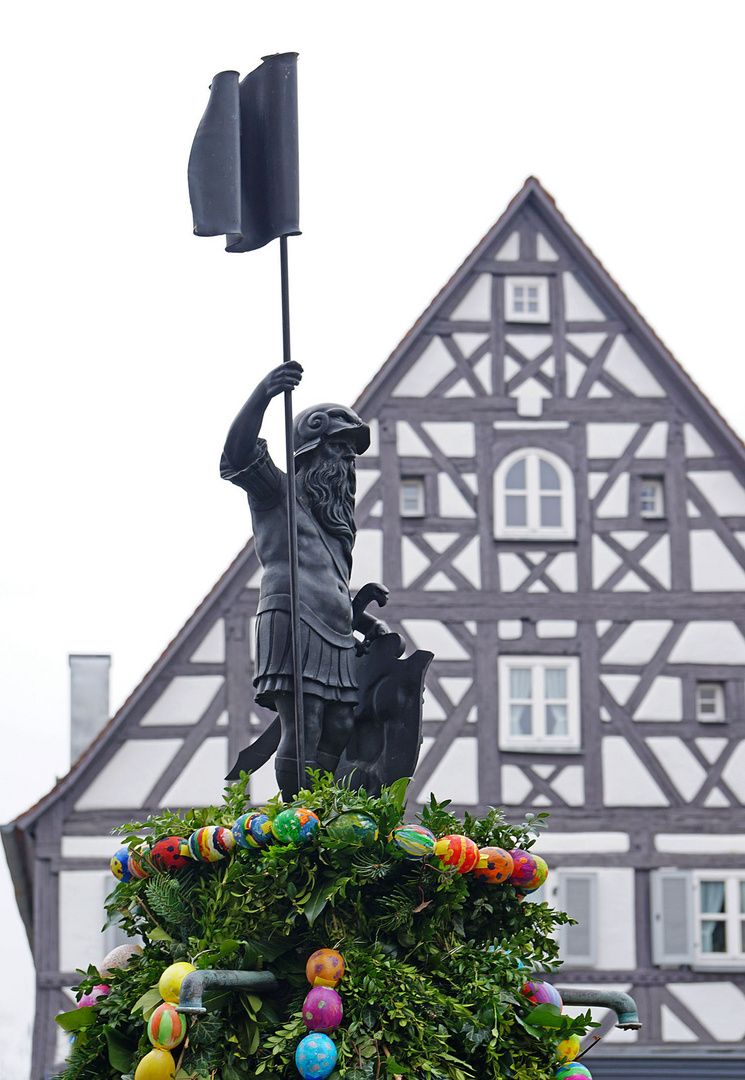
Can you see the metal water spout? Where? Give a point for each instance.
(196, 982)
(623, 1005)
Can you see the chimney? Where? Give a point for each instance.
(89, 700)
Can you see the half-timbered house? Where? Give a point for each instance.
(559, 514)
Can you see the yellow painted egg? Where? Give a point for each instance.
(170, 981)
(157, 1065)
(568, 1048)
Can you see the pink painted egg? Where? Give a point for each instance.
(95, 995)
(322, 1010)
(524, 868)
(119, 957)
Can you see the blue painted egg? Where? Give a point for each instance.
(242, 830)
(120, 865)
(260, 829)
(315, 1057)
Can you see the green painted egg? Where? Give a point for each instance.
(295, 825)
(354, 827)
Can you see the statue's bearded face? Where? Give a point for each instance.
(329, 484)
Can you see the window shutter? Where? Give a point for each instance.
(672, 917)
(578, 897)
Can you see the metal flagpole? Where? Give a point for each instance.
(297, 672)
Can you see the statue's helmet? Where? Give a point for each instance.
(326, 421)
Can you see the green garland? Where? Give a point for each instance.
(433, 958)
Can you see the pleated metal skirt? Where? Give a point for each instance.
(328, 670)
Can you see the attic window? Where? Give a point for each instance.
(651, 498)
(526, 299)
(412, 496)
(710, 701)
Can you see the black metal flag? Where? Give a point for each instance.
(243, 167)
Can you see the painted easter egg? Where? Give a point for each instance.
(166, 1028)
(495, 865)
(295, 825)
(95, 995)
(325, 967)
(137, 863)
(119, 957)
(414, 840)
(211, 843)
(315, 1056)
(354, 827)
(457, 851)
(541, 993)
(524, 869)
(260, 828)
(169, 984)
(242, 830)
(322, 1009)
(568, 1048)
(573, 1069)
(171, 853)
(157, 1065)
(120, 865)
(540, 875)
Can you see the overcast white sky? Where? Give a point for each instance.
(130, 343)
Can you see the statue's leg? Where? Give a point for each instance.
(338, 724)
(285, 765)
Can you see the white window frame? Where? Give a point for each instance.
(512, 301)
(539, 741)
(658, 510)
(417, 484)
(533, 530)
(719, 713)
(733, 918)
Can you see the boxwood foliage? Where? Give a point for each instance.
(435, 960)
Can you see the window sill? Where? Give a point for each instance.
(540, 748)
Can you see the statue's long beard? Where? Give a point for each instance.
(329, 489)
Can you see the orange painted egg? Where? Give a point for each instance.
(166, 1028)
(136, 860)
(494, 865)
(459, 852)
(325, 968)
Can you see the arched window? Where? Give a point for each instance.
(533, 497)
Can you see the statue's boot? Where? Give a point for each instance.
(326, 762)
(285, 769)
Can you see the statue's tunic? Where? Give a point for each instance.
(323, 576)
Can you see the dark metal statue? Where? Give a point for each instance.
(362, 706)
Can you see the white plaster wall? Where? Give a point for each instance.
(452, 502)
(426, 372)
(455, 439)
(89, 847)
(183, 701)
(626, 781)
(713, 567)
(81, 917)
(719, 1006)
(212, 648)
(128, 778)
(709, 642)
(685, 771)
(616, 502)
(663, 701)
(609, 440)
(456, 777)
(435, 636)
(624, 365)
(510, 249)
(722, 490)
(639, 642)
(367, 564)
(476, 304)
(581, 843)
(706, 843)
(202, 780)
(578, 306)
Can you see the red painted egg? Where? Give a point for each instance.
(459, 852)
(169, 853)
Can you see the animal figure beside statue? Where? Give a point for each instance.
(362, 705)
